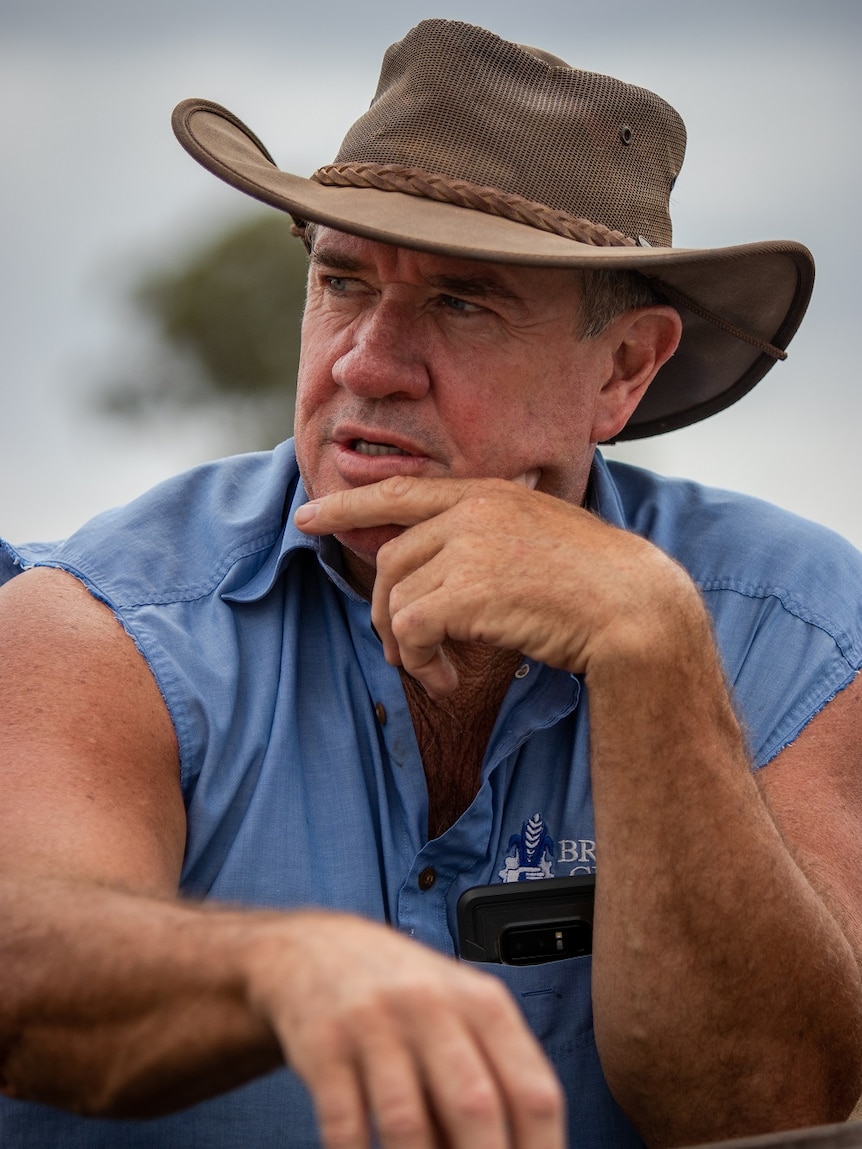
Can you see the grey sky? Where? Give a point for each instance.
(94, 188)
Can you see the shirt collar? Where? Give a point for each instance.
(602, 499)
(292, 542)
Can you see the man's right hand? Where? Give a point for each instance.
(121, 1000)
(389, 1034)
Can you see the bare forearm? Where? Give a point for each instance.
(122, 1005)
(726, 997)
(119, 1005)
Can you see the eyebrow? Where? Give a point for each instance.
(472, 286)
(329, 257)
(476, 286)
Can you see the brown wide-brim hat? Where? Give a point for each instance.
(475, 147)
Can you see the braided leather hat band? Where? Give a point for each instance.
(462, 193)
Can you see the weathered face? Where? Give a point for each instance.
(420, 364)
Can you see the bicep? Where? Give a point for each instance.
(814, 791)
(89, 767)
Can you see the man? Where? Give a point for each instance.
(435, 644)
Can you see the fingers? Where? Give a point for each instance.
(496, 1087)
(431, 666)
(470, 1107)
(397, 1103)
(403, 610)
(435, 1089)
(537, 1115)
(489, 561)
(340, 1106)
(399, 1045)
(442, 1069)
(400, 500)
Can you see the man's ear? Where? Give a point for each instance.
(641, 341)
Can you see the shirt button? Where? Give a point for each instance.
(380, 713)
(427, 878)
(523, 670)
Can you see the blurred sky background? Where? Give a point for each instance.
(94, 189)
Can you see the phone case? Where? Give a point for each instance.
(526, 923)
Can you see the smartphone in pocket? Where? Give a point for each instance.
(525, 923)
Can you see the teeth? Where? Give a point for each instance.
(363, 447)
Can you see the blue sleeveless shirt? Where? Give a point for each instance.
(300, 769)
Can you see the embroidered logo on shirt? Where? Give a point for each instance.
(531, 853)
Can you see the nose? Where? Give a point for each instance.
(386, 356)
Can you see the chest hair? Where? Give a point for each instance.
(453, 734)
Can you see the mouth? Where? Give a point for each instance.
(364, 447)
(367, 454)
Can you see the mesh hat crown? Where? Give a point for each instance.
(457, 101)
(483, 149)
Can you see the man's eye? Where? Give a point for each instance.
(337, 283)
(455, 303)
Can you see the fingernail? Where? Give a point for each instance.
(529, 479)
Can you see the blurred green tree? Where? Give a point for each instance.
(222, 331)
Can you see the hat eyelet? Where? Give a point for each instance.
(626, 135)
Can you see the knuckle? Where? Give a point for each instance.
(396, 487)
(492, 998)
(398, 1119)
(340, 1117)
(393, 557)
(370, 1015)
(542, 1100)
(482, 491)
(340, 1130)
(477, 1102)
(407, 623)
(398, 599)
(430, 996)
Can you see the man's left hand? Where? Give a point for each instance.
(491, 561)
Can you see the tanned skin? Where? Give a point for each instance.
(471, 541)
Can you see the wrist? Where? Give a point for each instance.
(655, 620)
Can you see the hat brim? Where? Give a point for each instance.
(763, 288)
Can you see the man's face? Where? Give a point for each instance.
(420, 364)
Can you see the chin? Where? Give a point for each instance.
(365, 542)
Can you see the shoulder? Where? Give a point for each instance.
(178, 540)
(167, 564)
(727, 540)
(714, 531)
(783, 594)
(85, 734)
